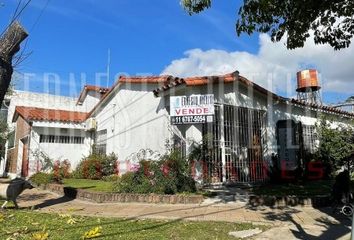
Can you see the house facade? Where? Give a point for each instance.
(44, 127)
(251, 125)
(250, 130)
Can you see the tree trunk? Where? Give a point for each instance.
(9, 46)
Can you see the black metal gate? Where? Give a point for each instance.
(233, 152)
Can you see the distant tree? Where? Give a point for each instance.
(4, 131)
(330, 21)
(336, 145)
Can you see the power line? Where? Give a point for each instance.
(20, 58)
(40, 15)
(16, 15)
(18, 5)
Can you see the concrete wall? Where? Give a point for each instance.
(134, 120)
(91, 99)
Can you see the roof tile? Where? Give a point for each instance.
(43, 114)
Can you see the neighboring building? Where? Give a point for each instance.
(47, 125)
(251, 125)
(41, 133)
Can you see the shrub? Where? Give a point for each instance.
(169, 175)
(41, 178)
(109, 164)
(110, 178)
(61, 170)
(125, 184)
(65, 167)
(77, 173)
(96, 166)
(92, 168)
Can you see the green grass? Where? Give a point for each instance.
(310, 188)
(91, 185)
(23, 224)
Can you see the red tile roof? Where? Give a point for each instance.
(199, 81)
(145, 79)
(321, 107)
(88, 88)
(167, 82)
(43, 114)
(163, 79)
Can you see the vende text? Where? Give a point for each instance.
(192, 111)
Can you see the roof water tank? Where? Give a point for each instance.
(307, 81)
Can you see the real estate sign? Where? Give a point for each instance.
(192, 109)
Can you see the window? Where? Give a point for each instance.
(101, 141)
(309, 138)
(61, 139)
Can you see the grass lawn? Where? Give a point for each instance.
(23, 224)
(91, 185)
(310, 188)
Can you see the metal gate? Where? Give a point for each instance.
(233, 152)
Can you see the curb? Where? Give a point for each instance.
(286, 201)
(102, 197)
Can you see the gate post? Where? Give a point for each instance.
(222, 143)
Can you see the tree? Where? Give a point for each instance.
(4, 131)
(331, 22)
(336, 145)
(9, 46)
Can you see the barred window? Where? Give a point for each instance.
(309, 137)
(61, 139)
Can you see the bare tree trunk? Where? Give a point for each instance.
(9, 46)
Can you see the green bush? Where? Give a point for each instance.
(110, 178)
(169, 175)
(109, 164)
(77, 173)
(125, 184)
(41, 178)
(96, 166)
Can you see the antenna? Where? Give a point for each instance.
(108, 65)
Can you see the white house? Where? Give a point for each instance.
(45, 125)
(250, 124)
(247, 128)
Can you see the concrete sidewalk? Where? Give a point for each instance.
(291, 223)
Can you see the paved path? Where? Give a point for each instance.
(287, 223)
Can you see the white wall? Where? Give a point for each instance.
(134, 120)
(238, 94)
(58, 151)
(42, 100)
(90, 101)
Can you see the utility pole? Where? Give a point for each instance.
(9, 46)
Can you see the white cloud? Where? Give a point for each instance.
(273, 67)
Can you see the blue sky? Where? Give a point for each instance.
(144, 37)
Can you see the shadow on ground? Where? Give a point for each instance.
(334, 226)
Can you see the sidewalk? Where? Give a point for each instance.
(291, 223)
